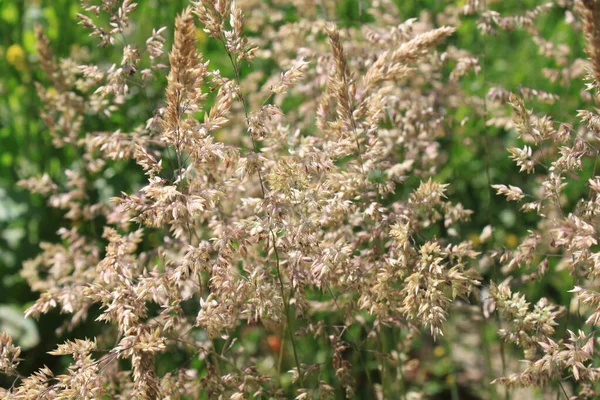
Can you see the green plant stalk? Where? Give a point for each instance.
(486, 146)
(274, 238)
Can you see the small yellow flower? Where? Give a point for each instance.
(474, 238)
(450, 379)
(219, 136)
(439, 351)
(201, 36)
(52, 92)
(15, 56)
(511, 240)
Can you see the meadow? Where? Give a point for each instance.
(302, 199)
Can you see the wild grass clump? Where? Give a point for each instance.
(297, 196)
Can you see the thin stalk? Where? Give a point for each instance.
(488, 362)
(560, 385)
(354, 345)
(286, 310)
(454, 387)
(274, 238)
(382, 349)
(486, 146)
(280, 358)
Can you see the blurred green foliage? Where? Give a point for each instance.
(26, 148)
(509, 59)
